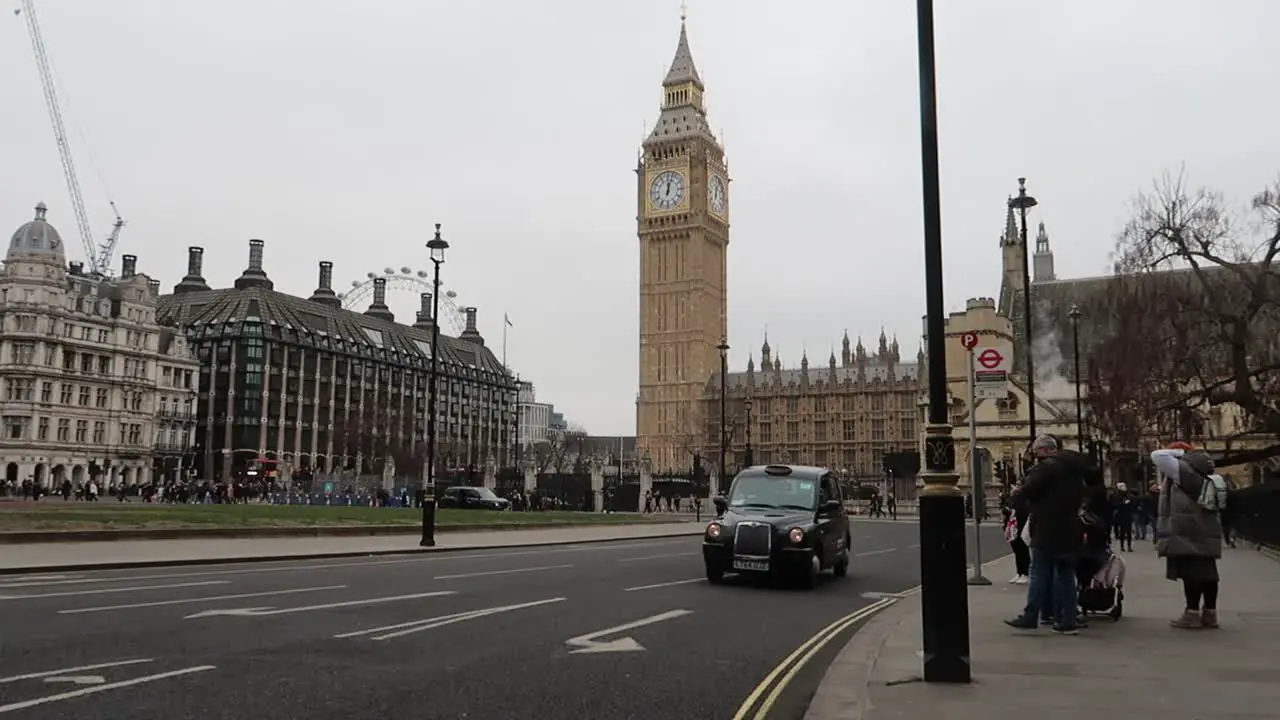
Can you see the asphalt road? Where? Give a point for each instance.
(610, 631)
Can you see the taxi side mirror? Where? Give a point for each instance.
(831, 507)
(721, 504)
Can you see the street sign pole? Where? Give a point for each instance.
(975, 477)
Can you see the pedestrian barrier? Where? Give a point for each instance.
(1253, 514)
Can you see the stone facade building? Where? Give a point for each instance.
(301, 388)
(849, 415)
(81, 359)
(682, 201)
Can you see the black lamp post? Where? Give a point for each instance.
(1075, 354)
(1022, 204)
(436, 246)
(747, 456)
(723, 347)
(944, 592)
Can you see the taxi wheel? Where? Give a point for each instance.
(841, 567)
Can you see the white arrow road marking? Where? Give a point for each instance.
(501, 572)
(188, 601)
(77, 679)
(107, 591)
(587, 643)
(102, 688)
(408, 628)
(265, 611)
(81, 668)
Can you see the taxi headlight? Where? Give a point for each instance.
(714, 530)
(796, 535)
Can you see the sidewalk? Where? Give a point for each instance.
(1136, 669)
(140, 553)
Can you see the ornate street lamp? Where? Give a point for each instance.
(1075, 354)
(723, 347)
(436, 246)
(944, 601)
(1022, 204)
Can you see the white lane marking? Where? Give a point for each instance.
(656, 557)
(874, 552)
(306, 565)
(102, 688)
(588, 643)
(187, 601)
(665, 584)
(513, 571)
(79, 668)
(35, 578)
(914, 547)
(264, 611)
(401, 629)
(77, 679)
(106, 591)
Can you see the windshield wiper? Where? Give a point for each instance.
(795, 507)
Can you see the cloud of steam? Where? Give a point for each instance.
(1046, 354)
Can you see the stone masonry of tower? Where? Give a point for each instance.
(683, 228)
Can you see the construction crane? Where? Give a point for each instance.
(98, 257)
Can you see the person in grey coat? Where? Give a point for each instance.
(1190, 537)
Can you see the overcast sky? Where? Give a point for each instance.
(341, 131)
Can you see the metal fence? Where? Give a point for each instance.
(1254, 514)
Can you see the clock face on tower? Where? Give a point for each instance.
(667, 190)
(716, 195)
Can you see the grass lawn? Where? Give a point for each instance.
(57, 515)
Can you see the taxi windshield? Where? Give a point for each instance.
(772, 492)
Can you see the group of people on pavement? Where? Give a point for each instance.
(1061, 515)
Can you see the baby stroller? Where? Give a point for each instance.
(1103, 592)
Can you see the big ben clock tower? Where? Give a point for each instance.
(683, 227)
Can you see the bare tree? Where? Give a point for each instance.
(1195, 314)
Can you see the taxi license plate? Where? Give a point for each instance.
(751, 565)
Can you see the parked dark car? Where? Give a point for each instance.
(782, 520)
(475, 498)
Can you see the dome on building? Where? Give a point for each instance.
(37, 239)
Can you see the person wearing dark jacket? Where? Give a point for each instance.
(1054, 488)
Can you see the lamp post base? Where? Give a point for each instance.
(428, 522)
(944, 593)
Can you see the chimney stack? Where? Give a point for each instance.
(254, 276)
(423, 321)
(195, 268)
(471, 333)
(154, 285)
(324, 290)
(128, 266)
(378, 308)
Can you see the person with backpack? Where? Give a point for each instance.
(1190, 531)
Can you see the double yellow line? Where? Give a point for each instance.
(770, 689)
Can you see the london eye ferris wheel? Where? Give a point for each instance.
(405, 280)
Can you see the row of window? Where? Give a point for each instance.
(25, 323)
(880, 430)
(875, 402)
(20, 427)
(24, 390)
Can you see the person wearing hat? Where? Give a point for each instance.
(1190, 535)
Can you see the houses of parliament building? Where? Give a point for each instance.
(847, 415)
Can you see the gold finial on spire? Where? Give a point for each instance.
(684, 10)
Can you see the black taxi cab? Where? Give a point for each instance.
(782, 520)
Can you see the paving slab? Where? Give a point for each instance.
(1137, 668)
(43, 557)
